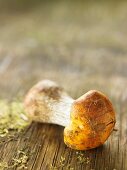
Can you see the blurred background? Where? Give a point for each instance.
(80, 44)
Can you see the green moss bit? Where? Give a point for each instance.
(12, 117)
(19, 162)
(3, 165)
(81, 158)
(62, 161)
(61, 164)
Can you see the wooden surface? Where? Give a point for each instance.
(82, 46)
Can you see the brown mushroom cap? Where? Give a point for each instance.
(92, 121)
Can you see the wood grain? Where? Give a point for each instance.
(80, 45)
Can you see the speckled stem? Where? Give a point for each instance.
(48, 103)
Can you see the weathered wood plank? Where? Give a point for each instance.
(46, 148)
(80, 45)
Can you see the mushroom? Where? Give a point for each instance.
(88, 121)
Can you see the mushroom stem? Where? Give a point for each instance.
(60, 111)
(48, 103)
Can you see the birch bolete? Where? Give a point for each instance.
(88, 120)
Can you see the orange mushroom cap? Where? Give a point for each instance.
(92, 121)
